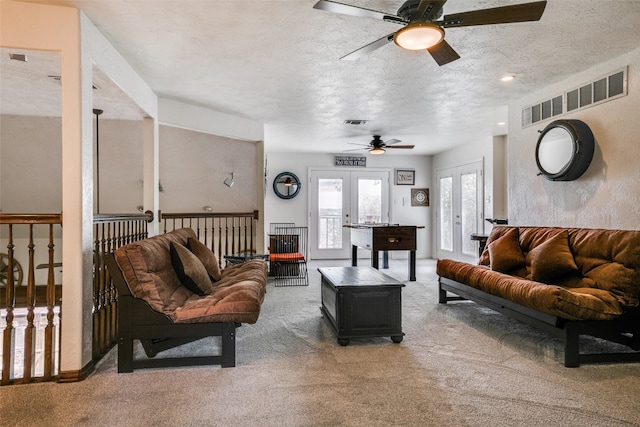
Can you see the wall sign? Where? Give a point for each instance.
(360, 161)
(405, 177)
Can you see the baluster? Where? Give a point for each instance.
(109, 294)
(29, 333)
(49, 331)
(96, 292)
(101, 290)
(8, 341)
(219, 252)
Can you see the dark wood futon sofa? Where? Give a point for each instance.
(567, 281)
(171, 291)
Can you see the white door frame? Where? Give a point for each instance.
(456, 172)
(350, 205)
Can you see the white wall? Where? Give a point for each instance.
(30, 164)
(193, 167)
(608, 194)
(296, 210)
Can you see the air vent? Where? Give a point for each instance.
(18, 57)
(603, 89)
(355, 122)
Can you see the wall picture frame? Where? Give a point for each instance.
(405, 177)
(419, 197)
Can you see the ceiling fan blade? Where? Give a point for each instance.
(347, 9)
(358, 53)
(496, 15)
(356, 149)
(392, 141)
(401, 146)
(443, 53)
(428, 9)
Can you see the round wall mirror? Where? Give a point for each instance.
(564, 150)
(286, 185)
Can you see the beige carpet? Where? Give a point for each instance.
(459, 365)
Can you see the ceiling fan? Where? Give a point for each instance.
(423, 31)
(377, 146)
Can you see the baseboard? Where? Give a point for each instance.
(75, 376)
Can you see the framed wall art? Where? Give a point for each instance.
(419, 197)
(405, 177)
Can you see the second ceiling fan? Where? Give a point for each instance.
(377, 146)
(423, 31)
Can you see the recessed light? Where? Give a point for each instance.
(508, 77)
(18, 57)
(501, 123)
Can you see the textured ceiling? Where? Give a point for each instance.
(277, 62)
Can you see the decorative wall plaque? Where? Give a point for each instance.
(419, 197)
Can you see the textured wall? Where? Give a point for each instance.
(608, 194)
(193, 167)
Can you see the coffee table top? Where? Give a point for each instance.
(357, 276)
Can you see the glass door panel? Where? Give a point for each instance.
(330, 213)
(446, 213)
(469, 212)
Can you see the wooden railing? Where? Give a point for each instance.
(224, 233)
(110, 231)
(25, 307)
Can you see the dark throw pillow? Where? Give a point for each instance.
(552, 260)
(206, 257)
(505, 253)
(189, 269)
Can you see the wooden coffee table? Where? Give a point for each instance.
(361, 302)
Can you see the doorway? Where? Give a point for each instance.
(459, 211)
(339, 197)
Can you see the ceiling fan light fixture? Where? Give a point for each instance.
(418, 36)
(377, 151)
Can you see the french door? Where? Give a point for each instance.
(459, 211)
(339, 197)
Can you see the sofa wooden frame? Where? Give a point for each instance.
(157, 332)
(625, 330)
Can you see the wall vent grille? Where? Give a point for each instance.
(606, 88)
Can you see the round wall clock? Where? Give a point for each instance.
(564, 150)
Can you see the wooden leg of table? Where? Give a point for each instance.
(354, 256)
(375, 262)
(385, 259)
(412, 266)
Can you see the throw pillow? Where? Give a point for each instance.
(552, 260)
(206, 257)
(505, 253)
(189, 269)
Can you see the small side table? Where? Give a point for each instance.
(241, 257)
(482, 241)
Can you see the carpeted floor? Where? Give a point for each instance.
(459, 365)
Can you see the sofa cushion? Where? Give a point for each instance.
(206, 257)
(505, 253)
(189, 269)
(552, 260)
(571, 304)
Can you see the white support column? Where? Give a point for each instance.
(151, 173)
(77, 207)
